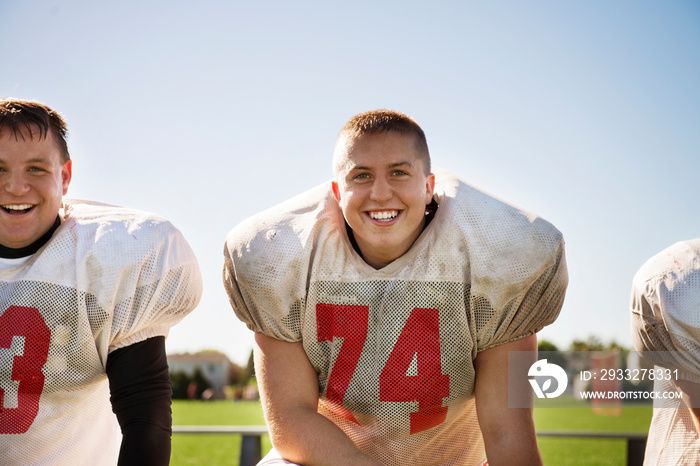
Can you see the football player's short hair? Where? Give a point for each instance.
(383, 121)
(27, 115)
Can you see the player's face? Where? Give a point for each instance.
(382, 190)
(33, 181)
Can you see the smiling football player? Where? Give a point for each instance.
(88, 293)
(384, 304)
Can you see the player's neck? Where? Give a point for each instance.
(16, 253)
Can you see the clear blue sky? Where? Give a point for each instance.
(587, 113)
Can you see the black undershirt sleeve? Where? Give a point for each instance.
(140, 389)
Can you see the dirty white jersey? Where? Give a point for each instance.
(394, 347)
(109, 277)
(665, 315)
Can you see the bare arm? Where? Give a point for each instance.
(289, 394)
(509, 433)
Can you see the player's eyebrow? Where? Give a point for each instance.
(401, 164)
(393, 165)
(39, 160)
(32, 160)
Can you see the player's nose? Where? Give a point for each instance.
(14, 183)
(381, 190)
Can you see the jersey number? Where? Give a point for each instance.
(26, 359)
(419, 341)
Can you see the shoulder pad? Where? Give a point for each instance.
(267, 260)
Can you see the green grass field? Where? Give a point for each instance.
(223, 449)
(212, 449)
(570, 415)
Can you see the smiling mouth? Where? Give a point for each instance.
(17, 209)
(384, 216)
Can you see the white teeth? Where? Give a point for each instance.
(17, 206)
(384, 216)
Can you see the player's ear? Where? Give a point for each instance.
(66, 175)
(429, 188)
(336, 190)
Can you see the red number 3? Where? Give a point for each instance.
(419, 340)
(26, 367)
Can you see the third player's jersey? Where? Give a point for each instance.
(665, 307)
(394, 347)
(109, 277)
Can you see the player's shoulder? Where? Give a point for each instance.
(116, 237)
(284, 228)
(671, 279)
(106, 222)
(670, 265)
(493, 225)
(664, 302)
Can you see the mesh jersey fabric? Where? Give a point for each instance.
(665, 317)
(394, 348)
(108, 278)
(673, 440)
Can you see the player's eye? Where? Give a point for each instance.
(399, 173)
(361, 176)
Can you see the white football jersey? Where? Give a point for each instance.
(109, 277)
(394, 348)
(665, 314)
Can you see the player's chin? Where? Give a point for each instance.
(16, 238)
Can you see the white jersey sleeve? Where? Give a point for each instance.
(138, 266)
(267, 258)
(517, 266)
(664, 306)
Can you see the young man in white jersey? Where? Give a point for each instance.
(384, 305)
(88, 293)
(665, 313)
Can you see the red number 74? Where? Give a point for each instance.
(419, 340)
